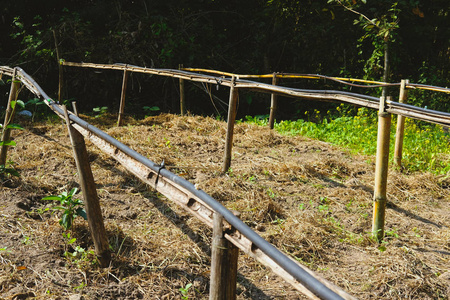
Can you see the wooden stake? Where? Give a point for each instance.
(273, 103)
(224, 261)
(126, 73)
(91, 200)
(381, 171)
(231, 119)
(403, 98)
(182, 95)
(9, 117)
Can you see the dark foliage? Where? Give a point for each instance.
(252, 36)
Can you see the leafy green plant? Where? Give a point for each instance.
(70, 206)
(426, 147)
(68, 238)
(8, 170)
(35, 103)
(185, 291)
(150, 110)
(100, 110)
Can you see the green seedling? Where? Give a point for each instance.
(70, 206)
(185, 291)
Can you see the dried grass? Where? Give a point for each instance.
(310, 199)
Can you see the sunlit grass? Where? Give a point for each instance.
(426, 146)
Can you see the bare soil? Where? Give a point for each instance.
(310, 199)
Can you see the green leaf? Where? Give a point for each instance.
(52, 198)
(58, 208)
(73, 191)
(21, 103)
(66, 221)
(82, 213)
(7, 143)
(14, 126)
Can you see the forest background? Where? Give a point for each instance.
(245, 37)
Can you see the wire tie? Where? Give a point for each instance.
(219, 81)
(161, 166)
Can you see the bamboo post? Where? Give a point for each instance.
(381, 171)
(9, 117)
(91, 200)
(60, 68)
(182, 94)
(230, 125)
(75, 109)
(273, 103)
(224, 261)
(126, 73)
(403, 98)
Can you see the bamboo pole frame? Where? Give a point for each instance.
(9, 116)
(398, 150)
(381, 171)
(224, 262)
(232, 108)
(197, 203)
(126, 74)
(273, 103)
(91, 200)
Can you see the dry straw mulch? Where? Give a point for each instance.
(310, 199)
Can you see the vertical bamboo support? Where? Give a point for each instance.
(403, 98)
(126, 73)
(230, 125)
(273, 103)
(224, 261)
(381, 171)
(60, 68)
(75, 109)
(182, 95)
(9, 117)
(91, 200)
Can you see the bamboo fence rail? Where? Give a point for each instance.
(409, 111)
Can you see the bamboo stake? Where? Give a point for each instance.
(60, 68)
(403, 98)
(75, 109)
(91, 200)
(230, 125)
(381, 171)
(126, 73)
(224, 261)
(182, 95)
(9, 117)
(273, 103)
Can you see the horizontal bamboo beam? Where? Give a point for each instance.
(409, 111)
